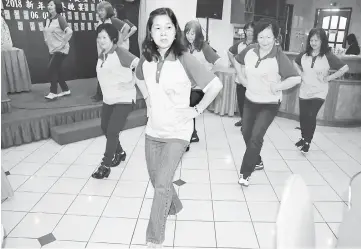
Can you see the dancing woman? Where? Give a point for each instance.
(57, 34)
(194, 41)
(165, 75)
(115, 76)
(313, 65)
(265, 72)
(232, 52)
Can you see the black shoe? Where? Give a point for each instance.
(97, 98)
(194, 138)
(118, 157)
(305, 148)
(238, 124)
(259, 165)
(300, 143)
(102, 171)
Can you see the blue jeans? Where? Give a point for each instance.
(256, 120)
(163, 157)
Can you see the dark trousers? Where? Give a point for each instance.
(112, 122)
(256, 120)
(55, 72)
(195, 97)
(241, 92)
(308, 113)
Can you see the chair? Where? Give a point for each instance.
(295, 224)
(349, 235)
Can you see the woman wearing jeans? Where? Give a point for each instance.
(57, 34)
(115, 76)
(315, 63)
(165, 75)
(265, 71)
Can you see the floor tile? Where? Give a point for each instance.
(195, 163)
(259, 177)
(278, 178)
(75, 228)
(88, 205)
(99, 187)
(79, 171)
(17, 180)
(114, 230)
(21, 243)
(260, 193)
(266, 234)
(228, 235)
(130, 189)
(224, 176)
(263, 211)
(297, 166)
(35, 225)
(139, 236)
(38, 184)
(227, 192)
(106, 245)
(324, 236)
(230, 211)
(135, 174)
(65, 244)
(21, 201)
(323, 193)
(10, 219)
(123, 207)
(331, 211)
(194, 191)
(194, 210)
(52, 169)
(187, 234)
(195, 176)
(54, 203)
(68, 186)
(26, 168)
(275, 165)
(291, 155)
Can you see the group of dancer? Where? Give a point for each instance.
(173, 103)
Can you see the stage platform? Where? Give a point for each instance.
(33, 116)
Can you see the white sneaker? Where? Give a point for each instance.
(51, 96)
(66, 93)
(243, 182)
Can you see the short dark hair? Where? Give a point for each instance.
(111, 31)
(247, 26)
(149, 48)
(58, 6)
(321, 33)
(266, 23)
(108, 8)
(199, 37)
(351, 39)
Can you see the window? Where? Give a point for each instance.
(335, 22)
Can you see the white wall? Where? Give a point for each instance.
(220, 31)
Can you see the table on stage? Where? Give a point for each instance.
(15, 75)
(226, 101)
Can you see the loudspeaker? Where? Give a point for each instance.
(266, 8)
(210, 9)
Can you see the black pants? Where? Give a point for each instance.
(241, 92)
(256, 120)
(55, 72)
(308, 113)
(195, 97)
(112, 122)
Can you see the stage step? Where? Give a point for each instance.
(83, 130)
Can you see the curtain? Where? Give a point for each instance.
(143, 18)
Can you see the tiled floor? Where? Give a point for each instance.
(55, 196)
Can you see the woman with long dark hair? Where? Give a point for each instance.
(165, 75)
(313, 65)
(232, 52)
(353, 45)
(199, 48)
(57, 34)
(265, 72)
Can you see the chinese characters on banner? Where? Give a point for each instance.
(31, 14)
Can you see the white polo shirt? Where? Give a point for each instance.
(207, 56)
(237, 48)
(262, 72)
(169, 85)
(313, 86)
(115, 75)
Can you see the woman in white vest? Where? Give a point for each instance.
(194, 41)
